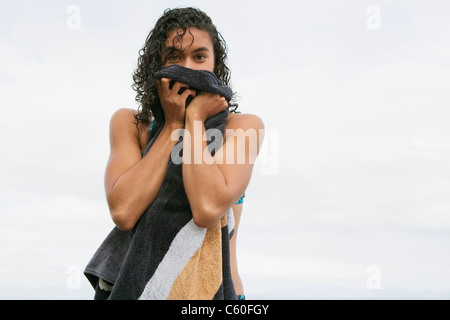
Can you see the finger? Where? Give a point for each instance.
(171, 83)
(188, 101)
(182, 89)
(224, 103)
(188, 95)
(187, 92)
(159, 87)
(164, 84)
(177, 86)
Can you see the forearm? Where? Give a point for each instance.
(203, 180)
(138, 187)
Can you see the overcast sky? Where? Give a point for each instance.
(350, 198)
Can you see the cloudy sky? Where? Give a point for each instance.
(350, 197)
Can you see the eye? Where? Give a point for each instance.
(200, 57)
(172, 57)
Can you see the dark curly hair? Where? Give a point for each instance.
(150, 58)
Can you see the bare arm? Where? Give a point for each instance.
(131, 182)
(237, 211)
(216, 183)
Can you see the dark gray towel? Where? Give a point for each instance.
(201, 80)
(166, 256)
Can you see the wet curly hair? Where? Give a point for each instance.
(150, 58)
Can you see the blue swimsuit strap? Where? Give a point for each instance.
(241, 200)
(152, 124)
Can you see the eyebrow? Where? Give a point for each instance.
(201, 49)
(175, 49)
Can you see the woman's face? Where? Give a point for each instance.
(194, 50)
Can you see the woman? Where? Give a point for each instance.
(188, 38)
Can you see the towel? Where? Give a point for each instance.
(201, 80)
(166, 255)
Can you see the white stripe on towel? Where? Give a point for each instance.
(185, 244)
(230, 220)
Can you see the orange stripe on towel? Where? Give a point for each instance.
(201, 278)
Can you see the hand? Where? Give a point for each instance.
(173, 97)
(206, 105)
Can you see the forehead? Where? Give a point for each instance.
(193, 37)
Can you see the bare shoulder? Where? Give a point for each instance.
(123, 117)
(123, 126)
(244, 121)
(245, 125)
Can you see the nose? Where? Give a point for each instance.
(188, 63)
